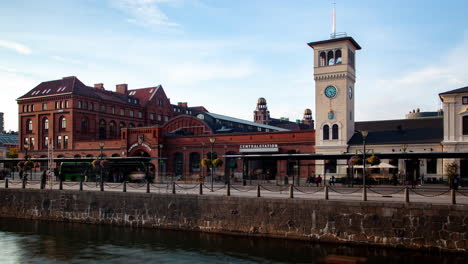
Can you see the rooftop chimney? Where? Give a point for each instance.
(182, 104)
(99, 86)
(121, 88)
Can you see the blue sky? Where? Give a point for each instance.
(224, 55)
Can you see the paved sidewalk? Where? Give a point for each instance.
(435, 194)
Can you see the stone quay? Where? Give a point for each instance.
(421, 226)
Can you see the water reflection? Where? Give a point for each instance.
(24, 241)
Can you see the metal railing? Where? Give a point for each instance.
(430, 194)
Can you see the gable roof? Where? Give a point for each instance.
(72, 85)
(401, 131)
(456, 91)
(144, 94)
(245, 122)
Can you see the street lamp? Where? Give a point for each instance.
(202, 168)
(101, 146)
(26, 147)
(212, 142)
(160, 161)
(364, 134)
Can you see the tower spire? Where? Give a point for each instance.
(334, 20)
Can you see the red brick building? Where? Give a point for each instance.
(85, 122)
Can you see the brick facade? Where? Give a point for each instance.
(77, 119)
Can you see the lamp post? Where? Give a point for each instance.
(364, 134)
(101, 146)
(202, 168)
(212, 142)
(26, 148)
(159, 162)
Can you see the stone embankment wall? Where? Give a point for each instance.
(374, 223)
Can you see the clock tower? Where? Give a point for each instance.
(334, 75)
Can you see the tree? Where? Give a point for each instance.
(13, 153)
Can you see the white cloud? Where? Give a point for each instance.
(65, 60)
(20, 84)
(145, 12)
(20, 48)
(188, 73)
(7, 69)
(393, 98)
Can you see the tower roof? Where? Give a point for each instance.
(261, 101)
(350, 39)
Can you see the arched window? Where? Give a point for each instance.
(30, 125)
(338, 57)
(326, 132)
(84, 125)
(102, 129)
(322, 59)
(331, 59)
(63, 122)
(121, 126)
(335, 131)
(465, 125)
(112, 129)
(194, 162)
(178, 163)
(46, 124)
(131, 125)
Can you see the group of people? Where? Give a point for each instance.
(311, 179)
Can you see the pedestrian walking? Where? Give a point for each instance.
(43, 179)
(332, 180)
(318, 180)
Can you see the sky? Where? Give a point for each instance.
(224, 54)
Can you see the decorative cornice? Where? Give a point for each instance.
(334, 76)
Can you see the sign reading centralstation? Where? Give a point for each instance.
(259, 148)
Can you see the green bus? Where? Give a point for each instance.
(74, 171)
(117, 171)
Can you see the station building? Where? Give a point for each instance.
(83, 122)
(70, 120)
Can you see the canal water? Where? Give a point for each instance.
(26, 241)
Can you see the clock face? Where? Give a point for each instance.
(330, 91)
(350, 92)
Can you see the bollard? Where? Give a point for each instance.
(173, 188)
(24, 183)
(148, 187)
(81, 185)
(102, 186)
(201, 189)
(258, 190)
(6, 183)
(453, 197)
(60, 185)
(228, 189)
(406, 195)
(291, 191)
(326, 192)
(124, 186)
(364, 193)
